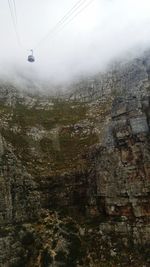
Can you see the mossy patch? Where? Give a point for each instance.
(62, 113)
(52, 152)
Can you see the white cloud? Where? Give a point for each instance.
(104, 31)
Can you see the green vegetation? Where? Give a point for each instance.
(61, 113)
(53, 152)
(17, 140)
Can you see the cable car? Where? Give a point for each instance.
(31, 58)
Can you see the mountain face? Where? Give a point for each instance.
(75, 172)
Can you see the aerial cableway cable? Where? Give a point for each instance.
(75, 15)
(13, 13)
(62, 20)
(75, 11)
(16, 22)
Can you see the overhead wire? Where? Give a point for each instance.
(62, 20)
(75, 10)
(71, 14)
(75, 6)
(13, 13)
(75, 15)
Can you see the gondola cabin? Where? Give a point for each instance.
(31, 58)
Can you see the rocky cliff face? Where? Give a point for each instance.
(75, 173)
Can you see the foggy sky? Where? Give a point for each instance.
(105, 31)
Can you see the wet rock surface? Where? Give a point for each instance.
(75, 173)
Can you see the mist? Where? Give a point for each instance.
(104, 31)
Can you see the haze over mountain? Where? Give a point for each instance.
(104, 31)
